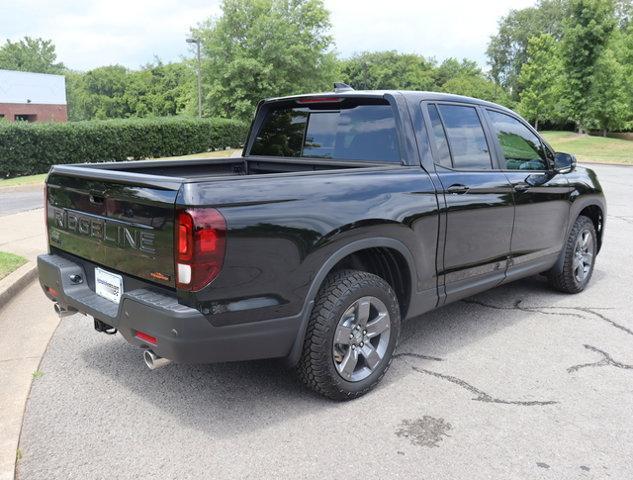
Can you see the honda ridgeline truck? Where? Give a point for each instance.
(347, 213)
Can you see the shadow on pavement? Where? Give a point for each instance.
(229, 398)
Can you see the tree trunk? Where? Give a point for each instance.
(604, 132)
(536, 124)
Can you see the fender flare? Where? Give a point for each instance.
(377, 242)
(574, 212)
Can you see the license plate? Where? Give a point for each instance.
(108, 285)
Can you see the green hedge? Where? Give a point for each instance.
(30, 148)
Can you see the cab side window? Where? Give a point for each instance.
(522, 150)
(439, 136)
(466, 137)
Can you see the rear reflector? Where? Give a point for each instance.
(200, 244)
(146, 338)
(54, 293)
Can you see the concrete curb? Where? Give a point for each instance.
(16, 281)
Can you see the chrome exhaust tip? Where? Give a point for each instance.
(153, 361)
(64, 311)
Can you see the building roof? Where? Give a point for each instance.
(28, 87)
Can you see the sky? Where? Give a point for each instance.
(92, 33)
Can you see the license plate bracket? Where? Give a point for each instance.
(108, 285)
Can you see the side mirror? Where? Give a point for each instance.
(564, 162)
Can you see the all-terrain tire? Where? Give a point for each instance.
(562, 276)
(339, 291)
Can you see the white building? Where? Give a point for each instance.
(32, 97)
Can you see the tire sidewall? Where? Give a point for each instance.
(583, 223)
(388, 297)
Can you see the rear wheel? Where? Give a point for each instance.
(351, 335)
(579, 258)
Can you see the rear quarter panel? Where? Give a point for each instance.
(283, 228)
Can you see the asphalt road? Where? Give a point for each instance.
(20, 199)
(517, 383)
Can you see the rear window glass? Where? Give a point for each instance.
(345, 131)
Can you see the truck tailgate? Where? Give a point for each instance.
(122, 226)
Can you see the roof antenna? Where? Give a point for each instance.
(340, 87)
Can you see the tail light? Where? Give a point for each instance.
(200, 242)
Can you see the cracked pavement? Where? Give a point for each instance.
(519, 382)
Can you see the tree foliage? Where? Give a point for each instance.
(264, 48)
(113, 91)
(507, 50)
(609, 105)
(388, 70)
(541, 81)
(30, 55)
(588, 30)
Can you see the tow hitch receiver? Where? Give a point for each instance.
(104, 327)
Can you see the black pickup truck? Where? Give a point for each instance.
(347, 212)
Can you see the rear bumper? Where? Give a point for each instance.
(183, 334)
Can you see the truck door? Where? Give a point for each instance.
(478, 201)
(540, 195)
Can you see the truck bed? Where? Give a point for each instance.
(208, 168)
(120, 215)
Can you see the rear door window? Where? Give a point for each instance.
(439, 136)
(347, 130)
(466, 137)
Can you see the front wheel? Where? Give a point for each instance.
(351, 335)
(579, 258)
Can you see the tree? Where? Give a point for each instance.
(608, 108)
(588, 31)
(388, 70)
(30, 55)
(541, 81)
(156, 90)
(451, 68)
(507, 50)
(477, 86)
(263, 48)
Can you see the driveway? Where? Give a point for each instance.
(519, 382)
(20, 199)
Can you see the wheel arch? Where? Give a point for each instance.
(595, 213)
(388, 252)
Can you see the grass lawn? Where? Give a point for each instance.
(218, 154)
(18, 181)
(37, 179)
(592, 149)
(10, 262)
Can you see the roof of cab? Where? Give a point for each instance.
(409, 94)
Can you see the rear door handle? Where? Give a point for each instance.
(520, 187)
(457, 189)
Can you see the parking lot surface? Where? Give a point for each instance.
(519, 382)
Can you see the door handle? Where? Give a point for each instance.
(520, 187)
(457, 189)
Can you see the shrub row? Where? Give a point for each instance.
(30, 148)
